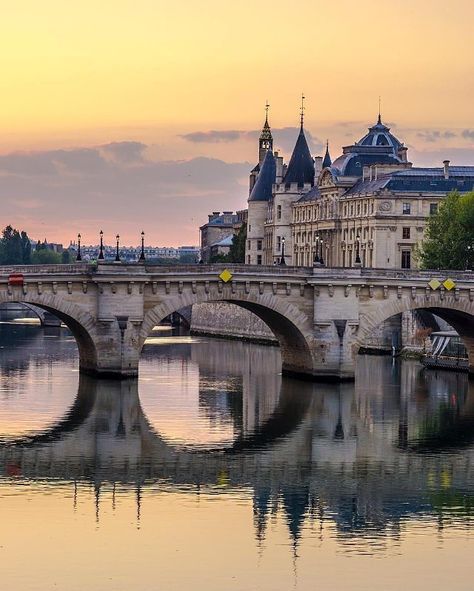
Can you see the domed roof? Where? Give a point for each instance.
(379, 135)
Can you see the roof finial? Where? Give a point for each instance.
(379, 120)
(302, 109)
(267, 106)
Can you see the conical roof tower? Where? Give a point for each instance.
(301, 166)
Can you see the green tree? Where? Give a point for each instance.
(15, 247)
(46, 256)
(449, 237)
(237, 250)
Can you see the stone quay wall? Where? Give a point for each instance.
(229, 321)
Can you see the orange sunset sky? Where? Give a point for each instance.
(144, 115)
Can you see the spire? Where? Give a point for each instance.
(262, 190)
(327, 158)
(302, 110)
(265, 141)
(379, 120)
(301, 167)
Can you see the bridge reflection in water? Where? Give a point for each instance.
(398, 445)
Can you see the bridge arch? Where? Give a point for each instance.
(294, 336)
(78, 320)
(458, 313)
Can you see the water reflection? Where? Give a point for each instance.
(355, 463)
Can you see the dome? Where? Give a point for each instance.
(379, 135)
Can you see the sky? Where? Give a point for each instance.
(125, 116)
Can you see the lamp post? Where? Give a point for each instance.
(469, 258)
(321, 260)
(282, 259)
(79, 256)
(117, 253)
(142, 253)
(357, 257)
(101, 248)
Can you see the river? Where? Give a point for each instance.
(212, 472)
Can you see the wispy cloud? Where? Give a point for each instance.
(116, 186)
(432, 136)
(284, 137)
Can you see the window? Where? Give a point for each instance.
(405, 233)
(406, 259)
(259, 245)
(433, 208)
(406, 210)
(249, 245)
(259, 259)
(248, 260)
(278, 212)
(278, 243)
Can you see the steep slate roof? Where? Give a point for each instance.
(311, 195)
(262, 190)
(428, 180)
(327, 158)
(301, 166)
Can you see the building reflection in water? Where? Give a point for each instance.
(364, 458)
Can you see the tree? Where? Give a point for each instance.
(449, 237)
(237, 250)
(15, 247)
(46, 256)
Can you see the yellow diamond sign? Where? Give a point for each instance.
(226, 275)
(434, 284)
(449, 284)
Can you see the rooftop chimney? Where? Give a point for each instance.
(446, 168)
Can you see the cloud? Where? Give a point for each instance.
(433, 136)
(125, 152)
(457, 156)
(284, 138)
(468, 134)
(57, 193)
(214, 137)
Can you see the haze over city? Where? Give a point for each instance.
(126, 116)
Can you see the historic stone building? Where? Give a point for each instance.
(367, 208)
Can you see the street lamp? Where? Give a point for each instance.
(469, 257)
(117, 253)
(357, 258)
(142, 253)
(282, 259)
(79, 256)
(101, 249)
(321, 260)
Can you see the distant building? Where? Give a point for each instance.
(369, 207)
(132, 253)
(218, 232)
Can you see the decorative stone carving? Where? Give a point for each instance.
(385, 206)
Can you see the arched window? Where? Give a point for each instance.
(278, 212)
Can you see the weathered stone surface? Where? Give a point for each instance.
(321, 317)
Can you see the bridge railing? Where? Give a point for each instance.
(46, 269)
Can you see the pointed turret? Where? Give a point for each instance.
(327, 158)
(265, 141)
(262, 190)
(301, 166)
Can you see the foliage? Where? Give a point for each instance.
(237, 250)
(15, 247)
(45, 256)
(449, 242)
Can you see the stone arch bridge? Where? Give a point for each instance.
(320, 316)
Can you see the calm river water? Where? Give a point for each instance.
(211, 472)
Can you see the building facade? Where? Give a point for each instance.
(217, 233)
(367, 208)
